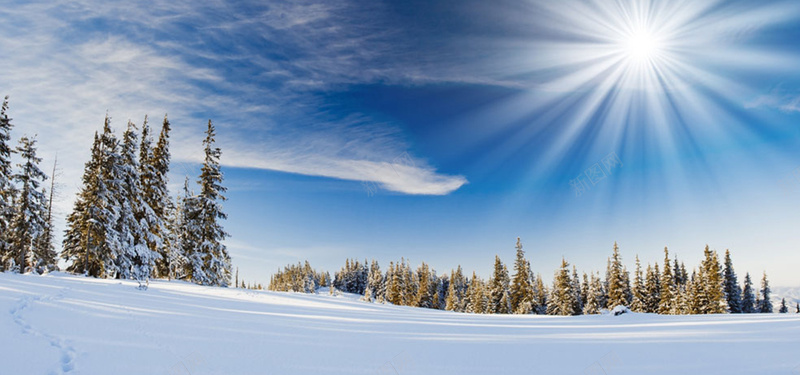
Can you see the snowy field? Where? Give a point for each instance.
(62, 324)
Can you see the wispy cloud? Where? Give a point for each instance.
(255, 68)
(778, 98)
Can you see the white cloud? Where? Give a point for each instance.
(64, 73)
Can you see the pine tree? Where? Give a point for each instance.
(424, 297)
(733, 293)
(176, 259)
(393, 287)
(748, 296)
(714, 284)
(783, 309)
(667, 301)
(797, 308)
(577, 304)
(28, 222)
(91, 236)
(562, 297)
(477, 303)
(652, 295)
(43, 248)
(618, 291)
(208, 256)
(639, 291)
(157, 197)
(498, 288)
(765, 307)
(521, 288)
(375, 288)
(6, 187)
(593, 296)
(81, 236)
(541, 295)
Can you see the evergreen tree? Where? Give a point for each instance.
(375, 291)
(562, 297)
(593, 296)
(733, 293)
(639, 291)
(748, 296)
(134, 258)
(393, 287)
(652, 295)
(477, 301)
(157, 197)
(797, 308)
(521, 288)
(425, 292)
(783, 309)
(667, 301)
(618, 291)
(765, 307)
(28, 223)
(176, 259)
(208, 256)
(713, 285)
(83, 235)
(91, 238)
(541, 296)
(577, 304)
(6, 187)
(498, 289)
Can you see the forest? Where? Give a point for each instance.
(124, 224)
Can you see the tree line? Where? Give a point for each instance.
(664, 288)
(124, 223)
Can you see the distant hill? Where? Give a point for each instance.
(792, 295)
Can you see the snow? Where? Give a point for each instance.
(63, 324)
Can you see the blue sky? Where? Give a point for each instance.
(441, 131)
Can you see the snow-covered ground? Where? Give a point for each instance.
(62, 324)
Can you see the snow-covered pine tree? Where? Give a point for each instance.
(521, 288)
(541, 295)
(477, 301)
(585, 286)
(43, 247)
(733, 293)
(498, 288)
(443, 287)
(177, 260)
(577, 306)
(714, 284)
(618, 291)
(209, 259)
(375, 288)
(666, 304)
(797, 308)
(424, 297)
(783, 309)
(158, 198)
(28, 224)
(562, 297)
(652, 294)
(765, 307)
(6, 187)
(135, 258)
(593, 296)
(82, 235)
(393, 285)
(638, 301)
(748, 296)
(148, 183)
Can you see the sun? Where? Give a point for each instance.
(642, 45)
